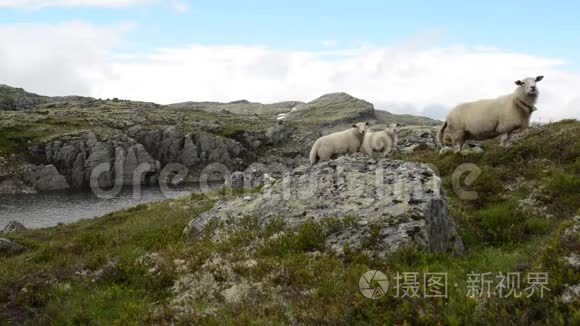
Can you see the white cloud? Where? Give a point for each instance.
(64, 59)
(407, 79)
(180, 6)
(69, 3)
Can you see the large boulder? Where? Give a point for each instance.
(396, 203)
(10, 248)
(44, 177)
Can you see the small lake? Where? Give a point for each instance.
(49, 209)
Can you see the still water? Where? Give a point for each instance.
(49, 209)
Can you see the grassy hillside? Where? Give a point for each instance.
(13, 99)
(332, 109)
(18, 130)
(134, 266)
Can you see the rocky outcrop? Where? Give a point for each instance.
(277, 134)
(44, 177)
(10, 248)
(412, 138)
(10, 182)
(392, 204)
(139, 149)
(119, 157)
(257, 174)
(14, 226)
(194, 150)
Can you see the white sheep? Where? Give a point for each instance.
(485, 119)
(380, 141)
(346, 141)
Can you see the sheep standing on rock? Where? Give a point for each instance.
(347, 141)
(485, 119)
(380, 141)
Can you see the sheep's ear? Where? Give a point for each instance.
(539, 78)
(519, 82)
(354, 125)
(367, 123)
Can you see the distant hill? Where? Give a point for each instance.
(405, 119)
(17, 99)
(341, 108)
(333, 108)
(239, 107)
(329, 110)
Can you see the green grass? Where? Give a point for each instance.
(293, 279)
(48, 270)
(16, 138)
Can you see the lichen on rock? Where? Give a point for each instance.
(396, 204)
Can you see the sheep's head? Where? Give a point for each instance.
(394, 127)
(361, 126)
(528, 86)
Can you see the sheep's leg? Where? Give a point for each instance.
(504, 140)
(458, 142)
(386, 151)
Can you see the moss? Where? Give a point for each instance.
(562, 189)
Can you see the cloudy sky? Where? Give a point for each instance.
(418, 57)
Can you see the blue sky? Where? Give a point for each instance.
(539, 27)
(394, 43)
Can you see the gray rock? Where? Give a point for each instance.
(193, 150)
(277, 134)
(235, 180)
(44, 177)
(445, 150)
(10, 248)
(410, 149)
(77, 157)
(257, 174)
(14, 186)
(412, 137)
(571, 294)
(14, 226)
(400, 202)
(572, 261)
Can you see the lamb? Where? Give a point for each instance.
(485, 119)
(346, 141)
(380, 141)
